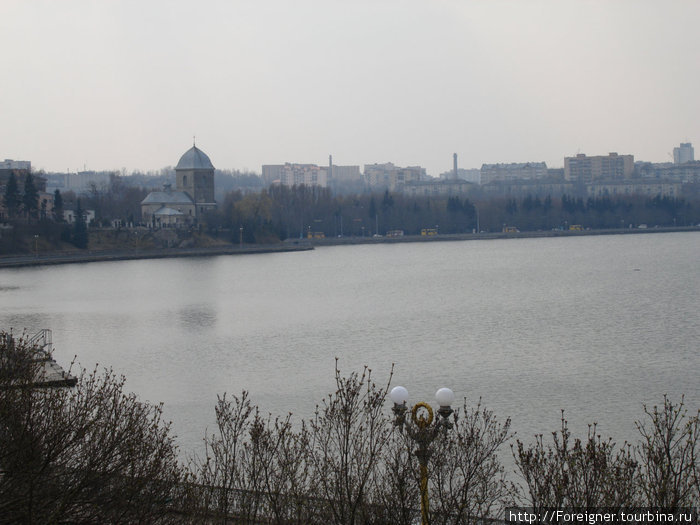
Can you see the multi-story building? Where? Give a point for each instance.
(345, 179)
(289, 174)
(87, 181)
(688, 172)
(272, 173)
(470, 175)
(9, 164)
(684, 153)
(650, 188)
(438, 187)
(513, 171)
(20, 169)
(344, 172)
(584, 169)
(391, 177)
(522, 188)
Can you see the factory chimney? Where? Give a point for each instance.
(454, 159)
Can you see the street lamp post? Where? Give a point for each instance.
(423, 428)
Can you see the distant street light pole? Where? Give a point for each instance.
(423, 430)
(240, 237)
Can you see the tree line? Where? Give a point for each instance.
(97, 454)
(281, 212)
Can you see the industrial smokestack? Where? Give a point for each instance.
(330, 166)
(454, 159)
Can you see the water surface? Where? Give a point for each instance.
(593, 325)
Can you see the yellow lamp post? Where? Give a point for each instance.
(423, 428)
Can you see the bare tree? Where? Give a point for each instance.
(468, 479)
(396, 488)
(88, 454)
(283, 467)
(590, 473)
(226, 490)
(348, 434)
(669, 451)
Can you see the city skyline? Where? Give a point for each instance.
(111, 85)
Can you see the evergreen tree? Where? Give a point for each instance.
(12, 198)
(57, 206)
(387, 201)
(547, 203)
(372, 208)
(30, 199)
(80, 233)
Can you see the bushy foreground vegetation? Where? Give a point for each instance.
(96, 454)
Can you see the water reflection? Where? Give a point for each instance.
(196, 317)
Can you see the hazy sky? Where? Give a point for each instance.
(126, 84)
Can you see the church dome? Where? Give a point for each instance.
(194, 159)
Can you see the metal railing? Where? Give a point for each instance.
(43, 340)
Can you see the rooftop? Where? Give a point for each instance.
(194, 159)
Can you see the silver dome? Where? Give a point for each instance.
(194, 159)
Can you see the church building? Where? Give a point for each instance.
(192, 197)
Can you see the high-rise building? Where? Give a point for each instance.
(684, 153)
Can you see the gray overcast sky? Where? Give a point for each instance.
(112, 84)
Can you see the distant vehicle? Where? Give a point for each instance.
(510, 229)
(394, 233)
(377, 235)
(575, 228)
(429, 231)
(315, 235)
(642, 226)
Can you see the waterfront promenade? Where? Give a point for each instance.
(292, 245)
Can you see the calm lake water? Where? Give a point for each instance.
(593, 325)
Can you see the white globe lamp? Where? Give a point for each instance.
(445, 397)
(399, 395)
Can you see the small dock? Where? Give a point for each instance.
(48, 372)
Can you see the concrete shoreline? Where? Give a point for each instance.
(17, 261)
(294, 245)
(490, 236)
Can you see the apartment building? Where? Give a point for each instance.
(438, 188)
(391, 177)
(289, 174)
(650, 188)
(513, 171)
(585, 169)
(684, 153)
